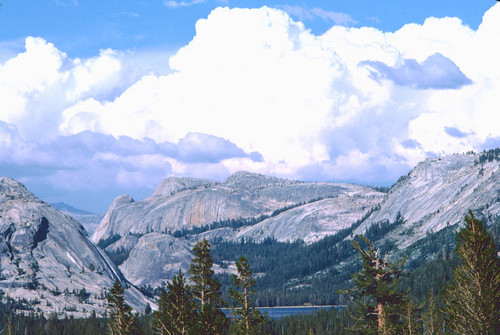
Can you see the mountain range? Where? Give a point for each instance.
(435, 194)
(48, 257)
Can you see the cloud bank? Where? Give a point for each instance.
(435, 72)
(253, 90)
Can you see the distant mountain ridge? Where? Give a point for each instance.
(184, 203)
(435, 194)
(47, 257)
(64, 207)
(89, 220)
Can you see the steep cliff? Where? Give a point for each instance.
(47, 257)
(438, 193)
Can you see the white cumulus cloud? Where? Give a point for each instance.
(256, 90)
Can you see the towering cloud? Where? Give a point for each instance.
(257, 90)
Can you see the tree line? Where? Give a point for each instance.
(236, 223)
(470, 302)
(381, 300)
(196, 308)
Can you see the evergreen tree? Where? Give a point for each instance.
(412, 317)
(248, 319)
(121, 319)
(432, 318)
(376, 290)
(206, 291)
(472, 300)
(10, 326)
(176, 309)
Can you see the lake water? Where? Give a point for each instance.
(279, 312)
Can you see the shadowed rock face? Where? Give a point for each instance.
(44, 253)
(439, 192)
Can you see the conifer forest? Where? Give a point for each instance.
(454, 294)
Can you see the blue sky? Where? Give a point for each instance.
(101, 98)
(82, 28)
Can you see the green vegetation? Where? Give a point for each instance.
(206, 291)
(377, 293)
(472, 299)
(176, 309)
(295, 273)
(489, 156)
(106, 242)
(247, 318)
(384, 300)
(121, 320)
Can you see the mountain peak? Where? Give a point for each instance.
(43, 252)
(11, 189)
(251, 179)
(172, 185)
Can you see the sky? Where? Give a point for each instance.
(102, 98)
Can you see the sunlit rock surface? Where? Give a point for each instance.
(437, 193)
(314, 221)
(242, 195)
(155, 258)
(319, 209)
(47, 257)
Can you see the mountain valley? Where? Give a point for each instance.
(296, 234)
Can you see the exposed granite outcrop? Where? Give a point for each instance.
(46, 256)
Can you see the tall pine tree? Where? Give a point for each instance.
(472, 300)
(121, 319)
(206, 291)
(176, 309)
(379, 299)
(431, 317)
(248, 318)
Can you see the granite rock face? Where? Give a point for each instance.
(314, 221)
(437, 193)
(202, 202)
(155, 259)
(142, 230)
(48, 257)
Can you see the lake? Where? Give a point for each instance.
(282, 311)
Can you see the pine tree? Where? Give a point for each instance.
(10, 326)
(176, 309)
(411, 317)
(432, 319)
(206, 291)
(121, 319)
(376, 291)
(248, 319)
(472, 300)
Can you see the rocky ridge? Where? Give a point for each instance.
(314, 221)
(89, 221)
(320, 209)
(438, 193)
(435, 194)
(47, 257)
